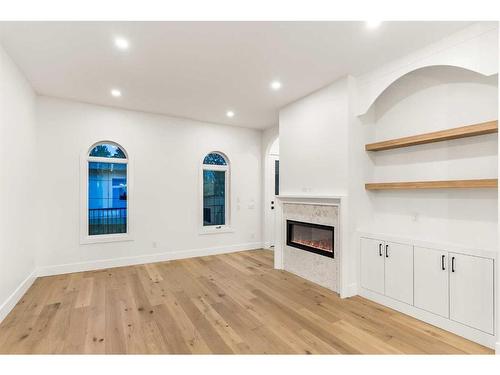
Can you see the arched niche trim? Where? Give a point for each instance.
(376, 89)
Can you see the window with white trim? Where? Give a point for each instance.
(215, 191)
(107, 200)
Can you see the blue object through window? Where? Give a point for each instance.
(107, 191)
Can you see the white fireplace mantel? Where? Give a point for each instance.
(342, 245)
(293, 197)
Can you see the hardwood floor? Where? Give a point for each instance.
(233, 303)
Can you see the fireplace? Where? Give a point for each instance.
(316, 238)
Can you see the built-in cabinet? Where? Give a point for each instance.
(387, 268)
(455, 286)
(372, 265)
(399, 271)
(431, 281)
(471, 291)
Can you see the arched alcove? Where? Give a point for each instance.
(426, 100)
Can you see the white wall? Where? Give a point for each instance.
(166, 154)
(313, 135)
(432, 99)
(18, 188)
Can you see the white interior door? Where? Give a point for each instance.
(372, 265)
(399, 271)
(471, 291)
(431, 280)
(274, 163)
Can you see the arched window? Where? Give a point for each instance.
(215, 191)
(107, 193)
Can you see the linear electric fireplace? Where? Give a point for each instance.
(316, 238)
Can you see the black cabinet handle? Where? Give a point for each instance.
(380, 249)
(452, 264)
(386, 251)
(442, 262)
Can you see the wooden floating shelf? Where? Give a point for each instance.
(447, 184)
(443, 135)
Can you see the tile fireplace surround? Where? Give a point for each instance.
(320, 269)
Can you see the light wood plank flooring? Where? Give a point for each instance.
(233, 303)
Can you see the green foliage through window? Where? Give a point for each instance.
(106, 150)
(214, 159)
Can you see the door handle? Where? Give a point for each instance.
(442, 263)
(387, 251)
(272, 207)
(380, 249)
(452, 264)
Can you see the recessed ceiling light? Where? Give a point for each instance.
(230, 114)
(373, 24)
(116, 93)
(121, 43)
(275, 85)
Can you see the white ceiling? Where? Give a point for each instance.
(199, 70)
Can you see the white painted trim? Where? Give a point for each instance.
(96, 159)
(103, 238)
(350, 290)
(215, 167)
(226, 228)
(497, 348)
(216, 229)
(279, 236)
(469, 333)
(16, 296)
(305, 196)
(342, 247)
(84, 160)
(269, 226)
(474, 48)
(142, 259)
(267, 245)
(269, 222)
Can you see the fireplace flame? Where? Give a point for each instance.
(325, 245)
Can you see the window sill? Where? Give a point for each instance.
(213, 230)
(87, 240)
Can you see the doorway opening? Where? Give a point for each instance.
(272, 191)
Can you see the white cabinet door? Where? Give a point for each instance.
(471, 291)
(431, 280)
(372, 265)
(399, 271)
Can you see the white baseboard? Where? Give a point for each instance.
(14, 298)
(469, 333)
(267, 246)
(142, 259)
(497, 348)
(349, 290)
